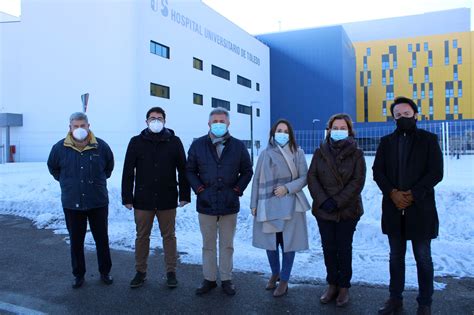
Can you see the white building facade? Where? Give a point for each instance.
(129, 55)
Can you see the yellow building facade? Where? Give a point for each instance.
(435, 71)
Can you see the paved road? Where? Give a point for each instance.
(35, 276)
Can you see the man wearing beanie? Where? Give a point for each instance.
(408, 165)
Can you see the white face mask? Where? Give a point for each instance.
(155, 126)
(80, 134)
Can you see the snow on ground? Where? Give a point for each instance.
(27, 190)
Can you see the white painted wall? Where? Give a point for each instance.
(62, 49)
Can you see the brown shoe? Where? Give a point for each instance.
(272, 282)
(391, 306)
(342, 297)
(329, 295)
(282, 289)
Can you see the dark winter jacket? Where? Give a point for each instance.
(223, 179)
(149, 171)
(337, 173)
(82, 175)
(424, 170)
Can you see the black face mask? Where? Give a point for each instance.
(406, 123)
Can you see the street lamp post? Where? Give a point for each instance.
(314, 138)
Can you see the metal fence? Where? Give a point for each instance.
(455, 138)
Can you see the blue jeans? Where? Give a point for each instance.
(424, 266)
(336, 239)
(274, 259)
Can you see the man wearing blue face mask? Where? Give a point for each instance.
(218, 169)
(407, 166)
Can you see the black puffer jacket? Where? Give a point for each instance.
(339, 173)
(151, 163)
(224, 179)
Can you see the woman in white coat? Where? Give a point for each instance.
(279, 205)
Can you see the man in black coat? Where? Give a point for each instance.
(149, 186)
(82, 163)
(218, 169)
(408, 165)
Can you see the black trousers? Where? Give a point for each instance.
(336, 239)
(76, 222)
(424, 267)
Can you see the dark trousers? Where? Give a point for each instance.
(76, 222)
(287, 260)
(336, 239)
(424, 266)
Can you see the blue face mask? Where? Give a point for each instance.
(218, 129)
(337, 135)
(282, 138)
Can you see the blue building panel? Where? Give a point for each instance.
(312, 75)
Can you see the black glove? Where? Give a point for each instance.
(329, 205)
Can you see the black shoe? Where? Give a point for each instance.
(108, 280)
(228, 287)
(423, 310)
(205, 287)
(171, 280)
(139, 279)
(78, 282)
(391, 306)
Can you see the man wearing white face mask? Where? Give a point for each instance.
(218, 169)
(82, 163)
(150, 188)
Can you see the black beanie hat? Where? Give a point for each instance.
(401, 100)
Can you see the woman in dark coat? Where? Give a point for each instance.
(336, 178)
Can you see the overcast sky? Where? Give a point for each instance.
(265, 16)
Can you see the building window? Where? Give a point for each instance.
(257, 86)
(368, 51)
(447, 107)
(456, 105)
(365, 62)
(422, 90)
(244, 109)
(384, 80)
(384, 111)
(385, 62)
(418, 47)
(431, 91)
(415, 91)
(362, 78)
(455, 43)
(410, 75)
(220, 103)
(455, 72)
(395, 64)
(430, 58)
(410, 47)
(159, 49)
(159, 90)
(221, 73)
(244, 81)
(459, 88)
(197, 63)
(459, 56)
(197, 99)
(425, 46)
(431, 107)
(418, 103)
(427, 74)
(369, 78)
(446, 52)
(258, 112)
(413, 60)
(391, 76)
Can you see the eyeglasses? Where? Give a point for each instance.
(154, 119)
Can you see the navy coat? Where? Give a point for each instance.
(82, 175)
(224, 179)
(425, 169)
